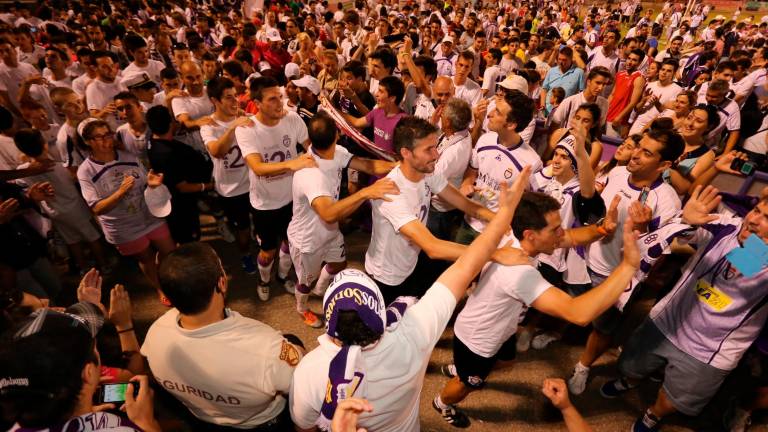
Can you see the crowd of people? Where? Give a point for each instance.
(520, 166)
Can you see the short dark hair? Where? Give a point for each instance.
(322, 131)
(234, 69)
(671, 62)
(495, 53)
(719, 86)
(394, 87)
(354, 67)
(189, 276)
(169, 73)
(386, 57)
(638, 52)
(725, 64)
(522, 108)
(531, 212)
(92, 126)
(352, 330)
(216, 87)
(159, 119)
(567, 51)
(408, 130)
(600, 71)
(713, 118)
(126, 95)
(258, 85)
(29, 141)
(428, 64)
(132, 42)
(673, 144)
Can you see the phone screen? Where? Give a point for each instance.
(115, 392)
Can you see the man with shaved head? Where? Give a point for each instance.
(194, 109)
(442, 91)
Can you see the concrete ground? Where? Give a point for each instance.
(511, 400)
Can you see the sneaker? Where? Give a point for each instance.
(615, 388)
(449, 370)
(290, 286)
(541, 341)
(262, 289)
(311, 319)
(453, 416)
(523, 341)
(249, 266)
(224, 231)
(647, 423)
(577, 383)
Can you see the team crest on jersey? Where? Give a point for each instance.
(286, 140)
(289, 354)
(508, 173)
(650, 239)
(474, 380)
(730, 272)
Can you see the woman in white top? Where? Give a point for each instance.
(684, 103)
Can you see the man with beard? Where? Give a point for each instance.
(399, 225)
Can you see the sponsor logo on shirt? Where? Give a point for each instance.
(711, 296)
(203, 394)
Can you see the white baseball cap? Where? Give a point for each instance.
(137, 80)
(308, 82)
(274, 35)
(515, 82)
(447, 39)
(292, 70)
(158, 200)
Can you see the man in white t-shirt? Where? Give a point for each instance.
(729, 113)
(657, 95)
(12, 73)
(650, 203)
(399, 225)
(386, 366)
(227, 369)
(597, 80)
(498, 157)
(270, 149)
(136, 46)
(195, 108)
(313, 233)
(101, 91)
(493, 73)
(230, 173)
(484, 332)
(465, 88)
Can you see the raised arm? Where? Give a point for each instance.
(458, 276)
(583, 309)
(374, 167)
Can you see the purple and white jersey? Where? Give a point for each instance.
(714, 313)
(605, 255)
(543, 182)
(130, 218)
(496, 164)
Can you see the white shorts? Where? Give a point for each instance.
(308, 265)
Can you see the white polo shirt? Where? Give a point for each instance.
(234, 372)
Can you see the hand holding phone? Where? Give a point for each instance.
(115, 393)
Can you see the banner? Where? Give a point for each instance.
(353, 133)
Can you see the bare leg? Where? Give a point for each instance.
(454, 391)
(597, 345)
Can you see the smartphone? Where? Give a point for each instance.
(644, 195)
(115, 393)
(394, 38)
(743, 166)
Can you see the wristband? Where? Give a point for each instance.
(130, 329)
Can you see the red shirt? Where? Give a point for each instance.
(622, 93)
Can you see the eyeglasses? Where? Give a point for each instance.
(123, 107)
